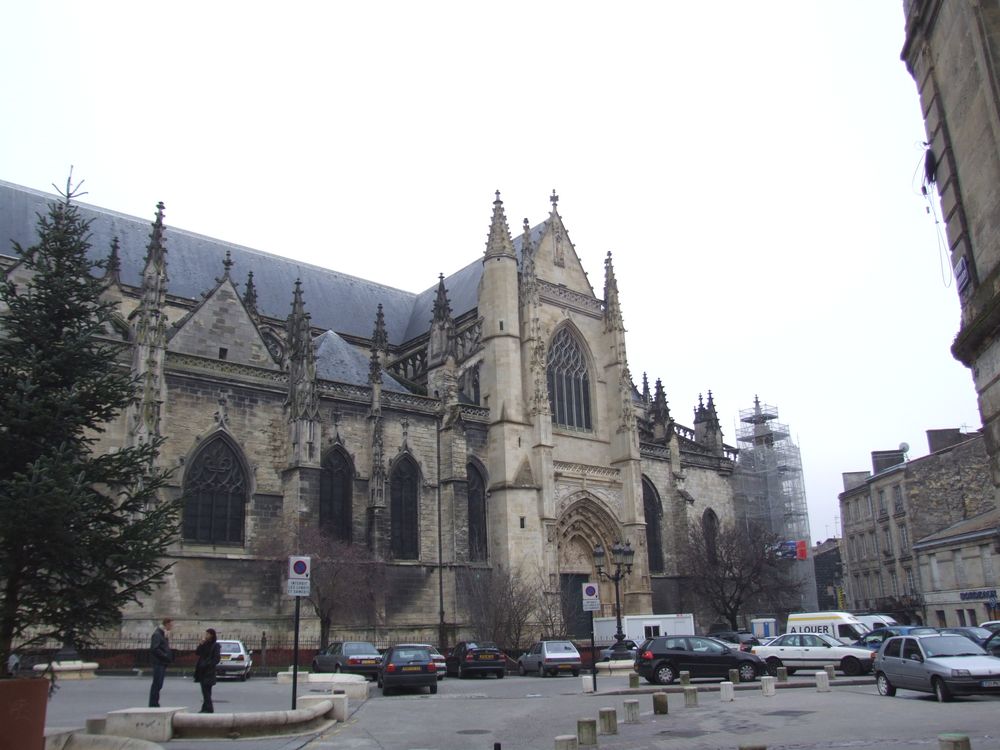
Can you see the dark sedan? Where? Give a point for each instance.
(476, 658)
(977, 635)
(661, 660)
(407, 667)
(352, 657)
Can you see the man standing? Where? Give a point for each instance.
(161, 655)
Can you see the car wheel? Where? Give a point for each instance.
(386, 691)
(748, 672)
(941, 691)
(434, 689)
(851, 666)
(773, 664)
(378, 682)
(461, 673)
(520, 669)
(885, 687)
(500, 675)
(243, 677)
(576, 672)
(664, 673)
(336, 669)
(315, 667)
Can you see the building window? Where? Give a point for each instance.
(887, 538)
(568, 382)
(403, 517)
(215, 488)
(881, 502)
(893, 583)
(336, 489)
(710, 530)
(959, 565)
(869, 499)
(897, 499)
(942, 620)
(654, 526)
(477, 514)
(911, 584)
(873, 541)
(904, 539)
(961, 617)
(973, 620)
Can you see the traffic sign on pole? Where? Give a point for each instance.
(591, 598)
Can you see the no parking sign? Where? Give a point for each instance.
(591, 598)
(299, 570)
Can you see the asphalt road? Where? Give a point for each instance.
(529, 712)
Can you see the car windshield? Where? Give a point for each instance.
(481, 644)
(353, 649)
(411, 653)
(949, 645)
(981, 633)
(230, 647)
(828, 639)
(564, 647)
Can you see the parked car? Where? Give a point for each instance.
(814, 650)
(407, 666)
(630, 645)
(977, 635)
(877, 622)
(550, 658)
(992, 645)
(742, 638)
(843, 626)
(353, 657)
(437, 656)
(942, 664)
(876, 638)
(476, 657)
(236, 660)
(992, 625)
(661, 659)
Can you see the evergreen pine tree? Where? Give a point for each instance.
(82, 532)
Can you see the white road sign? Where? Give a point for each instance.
(591, 598)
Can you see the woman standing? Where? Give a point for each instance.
(204, 672)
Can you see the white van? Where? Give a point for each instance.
(874, 622)
(841, 625)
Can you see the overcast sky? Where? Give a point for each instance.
(753, 168)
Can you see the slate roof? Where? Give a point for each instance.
(339, 361)
(984, 522)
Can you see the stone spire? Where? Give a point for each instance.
(378, 475)
(112, 271)
(227, 264)
(528, 287)
(441, 342)
(499, 242)
(660, 413)
(302, 401)
(149, 327)
(250, 295)
(380, 343)
(707, 428)
(612, 307)
(645, 389)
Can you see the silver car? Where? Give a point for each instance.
(945, 665)
(550, 658)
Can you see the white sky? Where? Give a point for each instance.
(753, 167)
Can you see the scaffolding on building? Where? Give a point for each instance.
(769, 490)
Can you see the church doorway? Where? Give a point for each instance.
(577, 621)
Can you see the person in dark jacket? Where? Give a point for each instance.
(209, 657)
(160, 655)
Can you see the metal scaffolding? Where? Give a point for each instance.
(768, 485)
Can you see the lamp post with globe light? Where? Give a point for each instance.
(622, 556)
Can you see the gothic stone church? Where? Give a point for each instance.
(489, 420)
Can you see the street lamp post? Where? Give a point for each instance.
(622, 556)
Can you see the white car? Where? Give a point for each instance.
(813, 651)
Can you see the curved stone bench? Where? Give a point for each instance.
(75, 740)
(69, 670)
(314, 711)
(623, 666)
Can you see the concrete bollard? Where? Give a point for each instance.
(632, 711)
(633, 680)
(660, 703)
(782, 674)
(726, 692)
(767, 686)
(753, 747)
(586, 732)
(588, 683)
(566, 742)
(829, 671)
(690, 696)
(954, 742)
(608, 720)
(96, 724)
(734, 676)
(685, 678)
(822, 682)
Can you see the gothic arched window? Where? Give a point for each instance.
(569, 382)
(477, 514)
(654, 526)
(215, 488)
(403, 516)
(710, 529)
(336, 488)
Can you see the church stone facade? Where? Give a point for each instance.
(489, 420)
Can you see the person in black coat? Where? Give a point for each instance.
(160, 654)
(209, 657)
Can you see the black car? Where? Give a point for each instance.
(976, 634)
(476, 657)
(742, 638)
(407, 667)
(660, 660)
(352, 657)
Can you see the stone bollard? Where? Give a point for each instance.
(685, 678)
(96, 724)
(753, 747)
(586, 732)
(608, 720)
(566, 742)
(690, 696)
(829, 671)
(633, 680)
(822, 682)
(588, 683)
(782, 674)
(632, 711)
(767, 686)
(954, 742)
(734, 676)
(660, 703)
(726, 692)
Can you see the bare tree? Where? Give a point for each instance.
(500, 604)
(345, 582)
(731, 569)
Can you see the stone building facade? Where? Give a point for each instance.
(952, 50)
(885, 512)
(829, 568)
(489, 420)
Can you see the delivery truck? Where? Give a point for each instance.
(640, 627)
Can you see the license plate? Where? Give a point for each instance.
(488, 657)
(990, 683)
(369, 661)
(411, 669)
(565, 666)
